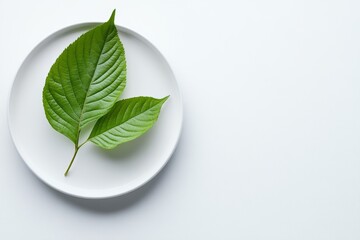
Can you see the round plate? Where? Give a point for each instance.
(96, 173)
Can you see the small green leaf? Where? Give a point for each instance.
(85, 81)
(127, 120)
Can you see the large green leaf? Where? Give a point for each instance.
(85, 81)
(127, 120)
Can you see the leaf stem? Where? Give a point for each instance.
(77, 147)
(72, 160)
(83, 143)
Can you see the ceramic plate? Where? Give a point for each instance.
(96, 173)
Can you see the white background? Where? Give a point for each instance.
(270, 144)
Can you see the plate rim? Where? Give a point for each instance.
(110, 192)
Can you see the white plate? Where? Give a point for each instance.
(96, 173)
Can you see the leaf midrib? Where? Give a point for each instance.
(92, 79)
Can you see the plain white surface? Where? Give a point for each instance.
(95, 173)
(270, 144)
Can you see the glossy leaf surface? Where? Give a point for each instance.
(127, 120)
(85, 81)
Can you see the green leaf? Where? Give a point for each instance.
(84, 85)
(85, 81)
(127, 120)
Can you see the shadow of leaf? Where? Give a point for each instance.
(116, 204)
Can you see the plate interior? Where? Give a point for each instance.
(96, 173)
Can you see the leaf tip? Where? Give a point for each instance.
(112, 17)
(165, 98)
